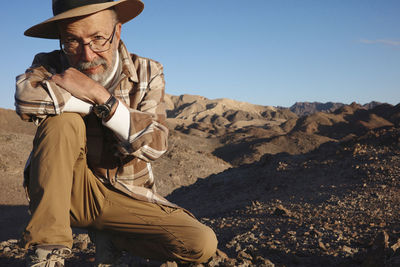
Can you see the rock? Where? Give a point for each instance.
(81, 241)
(219, 259)
(244, 255)
(221, 254)
(396, 246)
(261, 262)
(280, 210)
(349, 250)
(244, 263)
(81, 245)
(169, 264)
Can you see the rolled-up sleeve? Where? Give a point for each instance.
(37, 97)
(148, 134)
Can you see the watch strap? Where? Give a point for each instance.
(111, 102)
(103, 111)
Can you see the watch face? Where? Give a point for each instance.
(102, 111)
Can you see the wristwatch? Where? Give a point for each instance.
(104, 110)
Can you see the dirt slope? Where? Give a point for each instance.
(322, 208)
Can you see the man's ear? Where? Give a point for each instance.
(118, 28)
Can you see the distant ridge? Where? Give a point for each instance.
(198, 115)
(308, 108)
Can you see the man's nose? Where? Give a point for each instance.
(87, 53)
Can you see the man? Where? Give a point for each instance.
(101, 121)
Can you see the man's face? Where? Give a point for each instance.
(96, 65)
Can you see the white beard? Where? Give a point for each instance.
(101, 78)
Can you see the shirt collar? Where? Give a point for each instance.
(128, 68)
(114, 70)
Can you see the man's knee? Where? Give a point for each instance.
(205, 245)
(70, 125)
(59, 133)
(64, 121)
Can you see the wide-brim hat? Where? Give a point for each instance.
(66, 9)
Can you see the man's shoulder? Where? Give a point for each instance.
(140, 61)
(53, 61)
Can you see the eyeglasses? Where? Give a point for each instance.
(98, 44)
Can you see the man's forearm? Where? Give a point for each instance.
(119, 121)
(76, 105)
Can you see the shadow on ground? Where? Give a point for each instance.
(12, 221)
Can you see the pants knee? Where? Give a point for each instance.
(69, 125)
(206, 245)
(64, 121)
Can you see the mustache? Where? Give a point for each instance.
(82, 66)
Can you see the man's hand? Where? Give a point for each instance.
(81, 86)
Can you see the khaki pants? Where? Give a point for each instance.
(64, 193)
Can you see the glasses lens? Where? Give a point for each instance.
(99, 45)
(70, 47)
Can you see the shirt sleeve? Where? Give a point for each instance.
(36, 96)
(77, 105)
(148, 134)
(120, 122)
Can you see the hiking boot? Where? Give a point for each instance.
(47, 256)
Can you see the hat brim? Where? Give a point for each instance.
(125, 9)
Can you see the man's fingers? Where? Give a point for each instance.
(81, 86)
(69, 75)
(55, 78)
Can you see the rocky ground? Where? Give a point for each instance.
(322, 190)
(323, 208)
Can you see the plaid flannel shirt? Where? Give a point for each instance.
(140, 87)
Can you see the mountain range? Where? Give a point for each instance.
(307, 108)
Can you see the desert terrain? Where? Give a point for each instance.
(311, 185)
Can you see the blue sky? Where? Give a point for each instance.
(267, 52)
